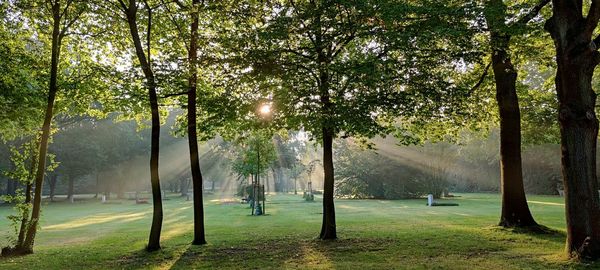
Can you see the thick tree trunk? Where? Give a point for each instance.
(577, 56)
(157, 213)
(197, 181)
(41, 166)
(199, 237)
(515, 211)
(328, 229)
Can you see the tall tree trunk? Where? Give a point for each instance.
(199, 237)
(41, 167)
(145, 62)
(515, 211)
(577, 57)
(328, 229)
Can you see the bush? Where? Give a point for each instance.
(364, 174)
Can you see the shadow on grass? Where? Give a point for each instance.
(448, 248)
(539, 232)
(293, 253)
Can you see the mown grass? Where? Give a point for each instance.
(373, 234)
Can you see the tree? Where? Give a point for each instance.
(199, 237)
(576, 57)
(286, 150)
(515, 211)
(248, 151)
(295, 172)
(22, 78)
(347, 68)
(74, 150)
(130, 10)
(62, 15)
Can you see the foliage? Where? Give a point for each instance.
(367, 174)
(257, 145)
(23, 161)
(21, 77)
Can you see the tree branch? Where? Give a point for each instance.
(312, 40)
(149, 30)
(178, 3)
(481, 79)
(175, 94)
(64, 12)
(123, 6)
(340, 46)
(531, 14)
(591, 21)
(179, 30)
(298, 54)
(70, 23)
(596, 42)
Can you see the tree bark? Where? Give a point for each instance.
(41, 167)
(157, 213)
(199, 236)
(577, 57)
(515, 211)
(328, 228)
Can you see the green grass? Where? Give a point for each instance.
(373, 234)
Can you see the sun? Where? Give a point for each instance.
(265, 109)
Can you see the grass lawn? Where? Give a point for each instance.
(373, 234)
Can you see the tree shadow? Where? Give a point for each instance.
(539, 232)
